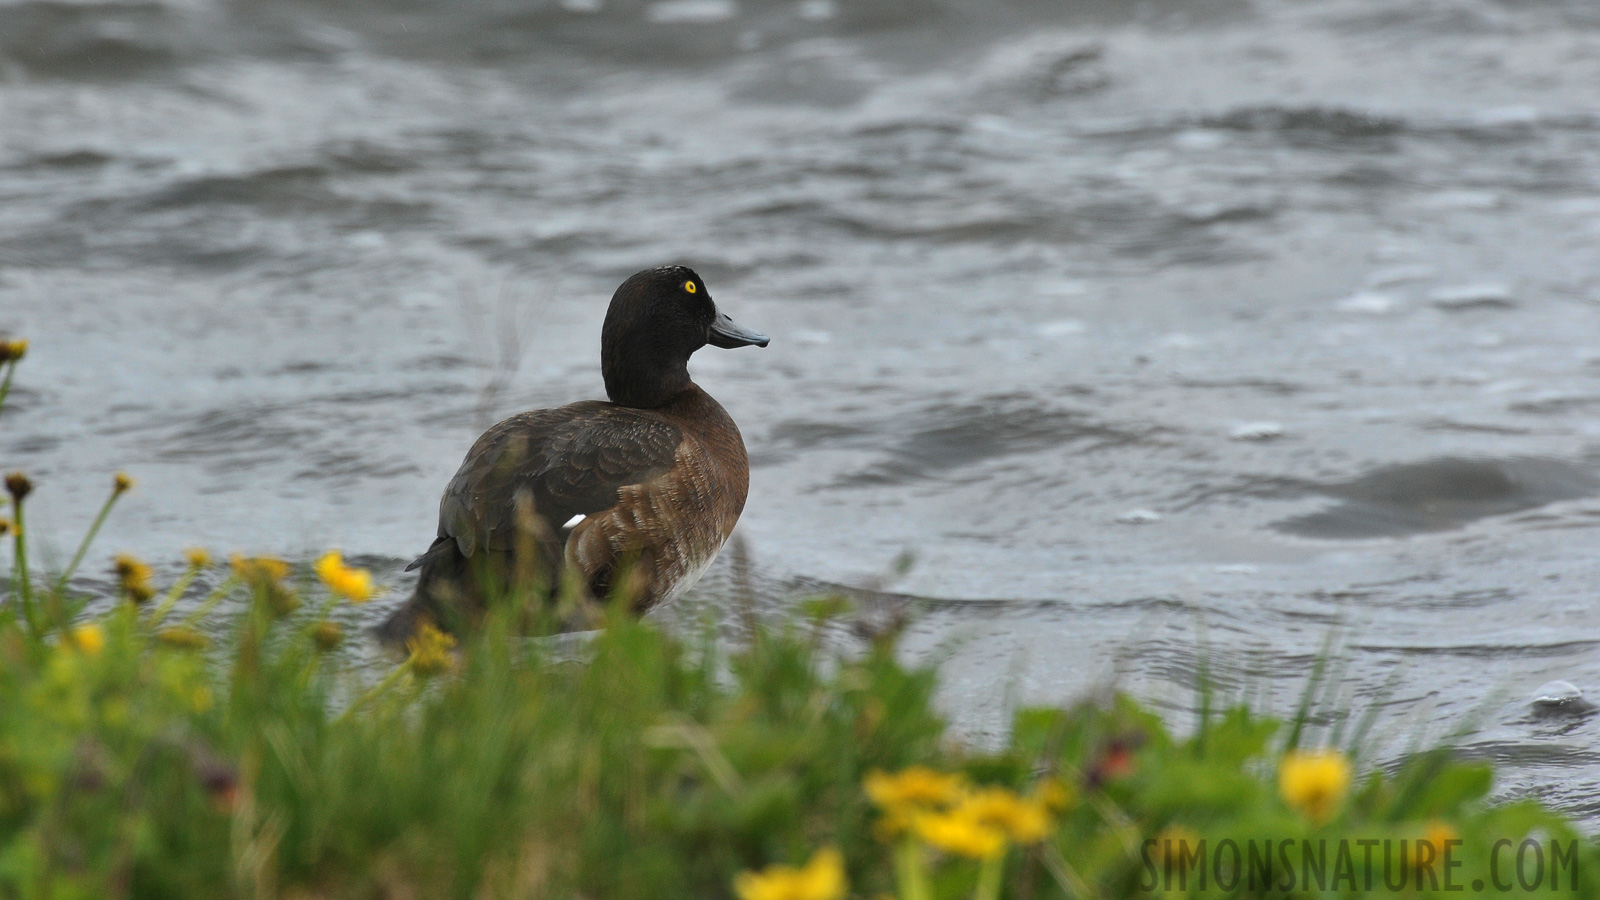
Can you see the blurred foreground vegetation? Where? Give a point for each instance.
(142, 756)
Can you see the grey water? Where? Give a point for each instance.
(1167, 334)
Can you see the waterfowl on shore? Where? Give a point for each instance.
(650, 481)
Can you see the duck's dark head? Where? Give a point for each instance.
(657, 320)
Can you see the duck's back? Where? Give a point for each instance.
(583, 490)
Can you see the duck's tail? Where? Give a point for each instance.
(420, 607)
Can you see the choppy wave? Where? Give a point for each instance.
(1173, 335)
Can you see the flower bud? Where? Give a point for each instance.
(18, 485)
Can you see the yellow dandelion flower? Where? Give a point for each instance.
(430, 651)
(198, 558)
(328, 635)
(183, 638)
(348, 582)
(258, 568)
(1314, 782)
(820, 879)
(959, 833)
(1437, 837)
(122, 483)
(13, 350)
(1438, 834)
(1024, 821)
(133, 576)
(87, 639)
(918, 786)
(265, 576)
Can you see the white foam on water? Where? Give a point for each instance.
(1369, 303)
(681, 12)
(1393, 275)
(816, 10)
(1256, 431)
(1059, 328)
(1467, 296)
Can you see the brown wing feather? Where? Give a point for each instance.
(655, 494)
(567, 461)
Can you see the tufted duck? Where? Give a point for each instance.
(651, 482)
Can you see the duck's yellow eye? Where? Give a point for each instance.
(689, 286)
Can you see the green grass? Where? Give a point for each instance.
(139, 761)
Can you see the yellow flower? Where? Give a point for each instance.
(259, 568)
(327, 635)
(198, 557)
(87, 639)
(1436, 837)
(1024, 821)
(1438, 834)
(265, 576)
(820, 879)
(122, 483)
(908, 794)
(182, 638)
(1314, 782)
(430, 651)
(13, 350)
(133, 576)
(5, 527)
(960, 833)
(916, 786)
(351, 583)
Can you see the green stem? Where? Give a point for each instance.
(5, 386)
(171, 599)
(376, 690)
(910, 874)
(83, 547)
(212, 599)
(21, 584)
(989, 877)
